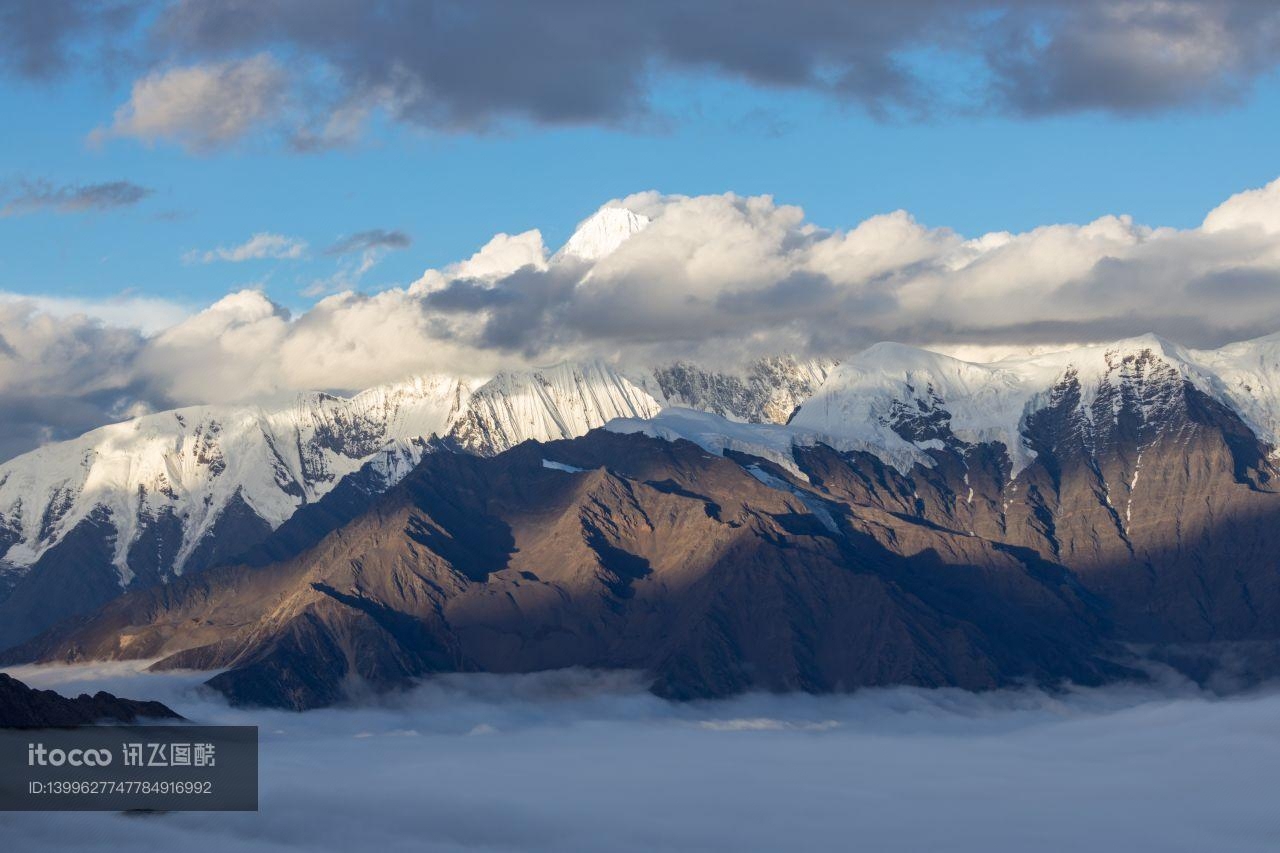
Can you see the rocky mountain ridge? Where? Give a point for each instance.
(140, 502)
(25, 707)
(1034, 519)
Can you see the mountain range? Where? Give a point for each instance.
(901, 517)
(137, 503)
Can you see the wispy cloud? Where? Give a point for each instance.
(369, 246)
(263, 245)
(146, 314)
(29, 196)
(377, 238)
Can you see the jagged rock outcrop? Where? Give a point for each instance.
(27, 708)
(769, 390)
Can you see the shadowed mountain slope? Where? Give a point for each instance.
(615, 551)
(27, 708)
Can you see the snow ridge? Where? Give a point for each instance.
(194, 462)
(900, 402)
(563, 401)
(602, 233)
(189, 466)
(862, 403)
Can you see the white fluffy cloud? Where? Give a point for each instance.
(721, 274)
(261, 245)
(728, 271)
(245, 347)
(202, 107)
(502, 255)
(1258, 208)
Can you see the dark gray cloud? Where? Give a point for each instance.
(1131, 56)
(61, 376)
(465, 65)
(363, 241)
(522, 311)
(39, 37)
(30, 419)
(464, 295)
(32, 195)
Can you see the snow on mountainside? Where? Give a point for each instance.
(191, 464)
(601, 233)
(898, 402)
(165, 482)
(144, 500)
(882, 400)
(560, 402)
(768, 391)
(1247, 375)
(715, 434)
(885, 398)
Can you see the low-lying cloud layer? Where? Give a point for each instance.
(717, 278)
(569, 761)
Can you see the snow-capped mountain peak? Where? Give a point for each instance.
(562, 401)
(895, 400)
(900, 403)
(602, 233)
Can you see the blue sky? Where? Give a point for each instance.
(451, 189)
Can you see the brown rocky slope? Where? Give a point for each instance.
(654, 555)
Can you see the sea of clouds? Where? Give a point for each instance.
(585, 761)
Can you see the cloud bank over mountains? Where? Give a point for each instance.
(654, 277)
